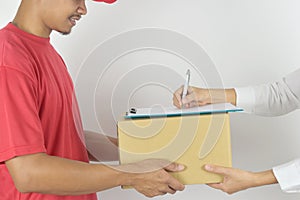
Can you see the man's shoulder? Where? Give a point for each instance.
(10, 43)
(13, 54)
(7, 36)
(13, 45)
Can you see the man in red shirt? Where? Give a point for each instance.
(42, 155)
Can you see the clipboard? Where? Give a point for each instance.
(134, 113)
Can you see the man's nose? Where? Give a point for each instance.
(82, 8)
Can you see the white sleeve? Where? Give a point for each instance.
(288, 176)
(245, 98)
(272, 99)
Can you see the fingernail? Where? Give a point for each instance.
(208, 167)
(180, 167)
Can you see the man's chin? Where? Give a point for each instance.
(65, 33)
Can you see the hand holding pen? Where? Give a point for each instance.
(188, 96)
(182, 92)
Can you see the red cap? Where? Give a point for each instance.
(106, 1)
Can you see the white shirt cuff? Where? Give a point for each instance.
(288, 176)
(245, 98)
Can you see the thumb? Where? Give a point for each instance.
(216, 169)
(174, 167)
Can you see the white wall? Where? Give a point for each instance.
(249, 42)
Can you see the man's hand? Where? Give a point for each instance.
(151, 177)
(236, 180)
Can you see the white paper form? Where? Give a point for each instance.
(173, 111)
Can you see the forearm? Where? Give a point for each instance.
(53, 175)
(221, 96)
(41, 173)
(264, 178)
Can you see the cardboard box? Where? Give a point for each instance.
(193, 141)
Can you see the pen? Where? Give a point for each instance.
(186, 84)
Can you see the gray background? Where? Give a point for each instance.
(249, 42)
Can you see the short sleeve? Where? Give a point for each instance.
(20, 127)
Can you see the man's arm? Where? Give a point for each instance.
(42, 173)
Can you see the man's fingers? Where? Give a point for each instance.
(167, 189)
(175, 185)
(174, 167)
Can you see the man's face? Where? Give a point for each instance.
(61, 15)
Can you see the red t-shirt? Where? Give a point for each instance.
(38, 111)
